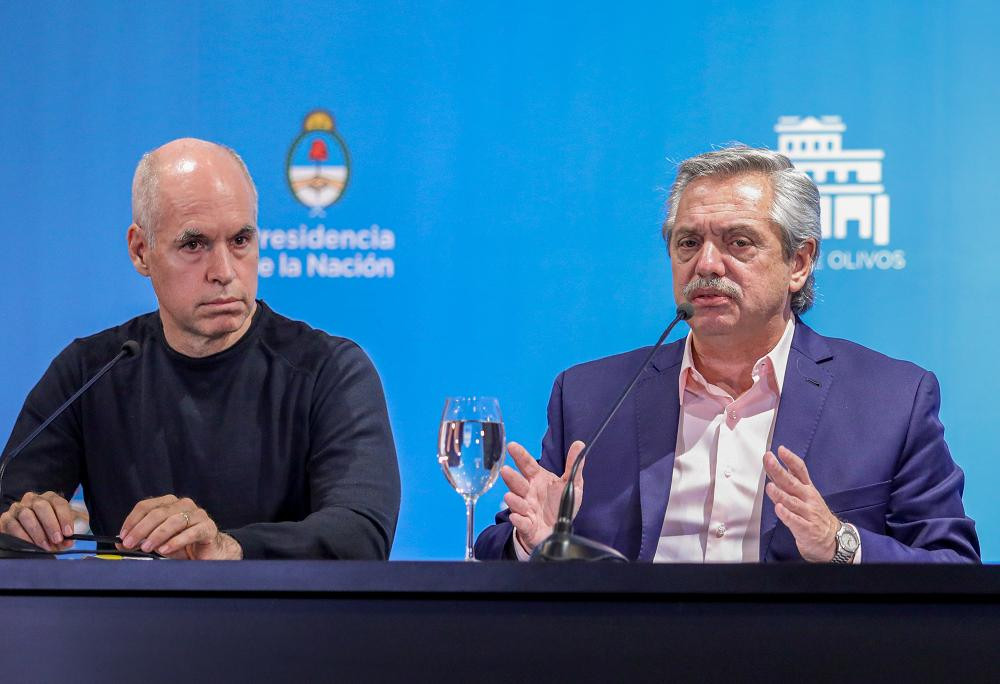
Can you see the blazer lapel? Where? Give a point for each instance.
(657, 408)
(803, 393)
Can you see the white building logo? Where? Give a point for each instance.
(853, 201)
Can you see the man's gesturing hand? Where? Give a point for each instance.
(534, 494)
(798, 504)
(42, 519)
(177, 528)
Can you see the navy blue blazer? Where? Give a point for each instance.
(866, 425)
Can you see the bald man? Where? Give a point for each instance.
(236, 433)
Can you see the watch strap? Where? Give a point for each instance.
(844, 556)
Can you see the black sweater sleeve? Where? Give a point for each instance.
(53, 460)
(352, 471)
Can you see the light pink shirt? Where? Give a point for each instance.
(717, 488)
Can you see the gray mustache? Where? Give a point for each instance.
(719, 284)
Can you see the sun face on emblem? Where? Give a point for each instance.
(318, 164)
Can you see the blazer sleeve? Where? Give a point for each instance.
(925, 520)
(496, 542)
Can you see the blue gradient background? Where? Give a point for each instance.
(521, 153)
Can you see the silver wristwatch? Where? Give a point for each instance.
(848, 543)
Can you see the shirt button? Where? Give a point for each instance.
(732, 415)
(720, 530)
(728, 472)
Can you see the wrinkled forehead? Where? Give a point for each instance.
(746, 194)
(208, 203)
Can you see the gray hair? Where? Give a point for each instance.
(146, 189)
(795, 207)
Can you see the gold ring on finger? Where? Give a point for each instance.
(187, 519)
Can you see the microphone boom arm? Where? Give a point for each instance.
(129, 348)
(562, 544)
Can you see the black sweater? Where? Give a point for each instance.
(283, 438)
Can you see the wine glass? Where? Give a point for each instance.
(470, 451)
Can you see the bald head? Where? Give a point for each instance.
(185, 160)
(194, 235)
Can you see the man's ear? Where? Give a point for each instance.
(802, 265)
(138, 249)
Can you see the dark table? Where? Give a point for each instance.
(354, 621)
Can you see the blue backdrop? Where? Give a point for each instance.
(518, 155)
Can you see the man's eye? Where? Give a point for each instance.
(687, 243)
(241, 241)
(741, 243)
(191, 246)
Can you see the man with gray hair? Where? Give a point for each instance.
(755, 438)
(236, 433)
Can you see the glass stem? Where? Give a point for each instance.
(470, 524)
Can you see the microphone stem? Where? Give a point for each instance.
(565, 520)
(34, 433)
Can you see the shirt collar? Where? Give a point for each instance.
(777, 360)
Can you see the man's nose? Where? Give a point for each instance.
(220, 266)
(710, 261)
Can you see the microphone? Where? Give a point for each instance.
(129, 349)
(562, 544)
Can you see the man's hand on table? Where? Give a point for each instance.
(42, 519)
(176, 528)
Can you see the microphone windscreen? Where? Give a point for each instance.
(131, 348)
(685, 310)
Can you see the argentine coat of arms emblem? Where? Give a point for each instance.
(318, 165)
